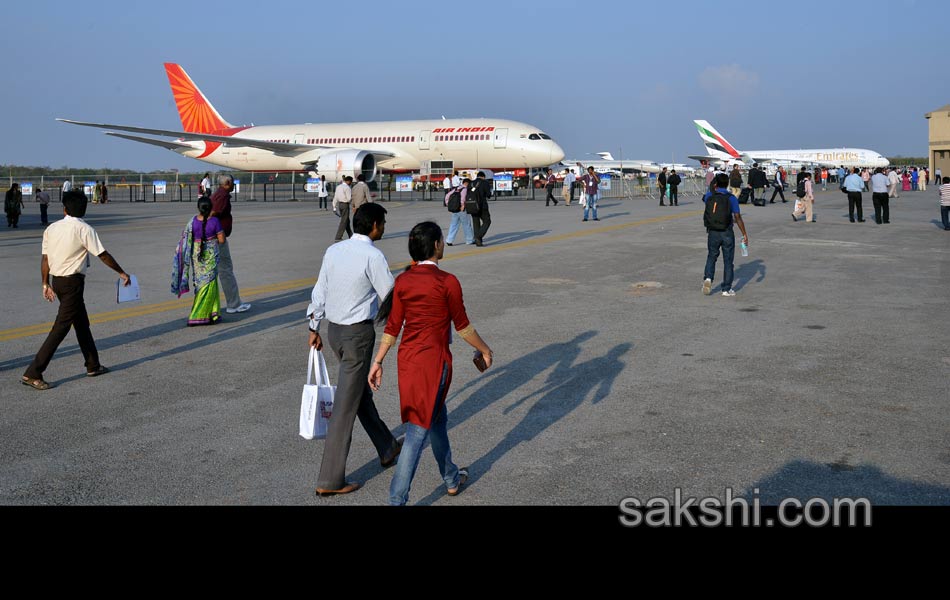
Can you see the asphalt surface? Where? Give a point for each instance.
(828, 375)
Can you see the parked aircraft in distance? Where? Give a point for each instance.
(339, 149)
(608, 163)
(721, 151)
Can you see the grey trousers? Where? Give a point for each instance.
(353, 345)
(226, 276)
(344, 208)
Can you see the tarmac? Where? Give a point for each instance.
(828, 375)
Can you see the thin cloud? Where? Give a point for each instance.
(730, 85)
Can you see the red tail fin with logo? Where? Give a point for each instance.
(197, 114)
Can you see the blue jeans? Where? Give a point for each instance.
(412, 448)
(591, 204)
(466, 221)
(945, 216)
(727, 241)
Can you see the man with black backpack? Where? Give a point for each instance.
(722, 208)
(455, 202)
(476, 205)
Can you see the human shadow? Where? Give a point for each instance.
(937, 223)
(613, 215)
(805, 480)
(747, 271)
(564, 391)
(229, 329)
(515, 236)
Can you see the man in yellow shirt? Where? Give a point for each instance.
(66, 244)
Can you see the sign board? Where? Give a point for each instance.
(26, 188)
(159, 187)
(237, 186)
(503, 182)
(404, 183)
(88, 188)
(604, 182)
(313, 185)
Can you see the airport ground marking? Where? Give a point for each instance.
(300, 284)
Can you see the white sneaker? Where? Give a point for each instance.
(246, 306)
(729, 293)
(707, 287)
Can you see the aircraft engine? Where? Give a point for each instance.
(336, 165)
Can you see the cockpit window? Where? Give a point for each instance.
(534, 136)
(544, 136)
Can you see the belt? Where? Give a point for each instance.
(80, 275)
(366, 322)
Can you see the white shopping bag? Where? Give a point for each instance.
(799, 206)
(316, 402)
(583, 199)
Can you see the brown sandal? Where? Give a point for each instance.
(463, 477)
(36, 384)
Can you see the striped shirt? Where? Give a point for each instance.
(945, 194)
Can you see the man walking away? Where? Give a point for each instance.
(353, 280)
(778, 187)
(66, 245)
(360, 194)
(221, 208)
(43, 198)
(806, 193)
(674, 182)
(854, 185)
(892, 182)
(721, 210)
(661, 181)
(455, 202)
(882, 211)
(481, 218)
(945, 203)
(550, 180)
(735, 181)
(341, 206)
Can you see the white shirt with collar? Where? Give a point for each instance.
(67, 243)
(353, 278)
(456, 181)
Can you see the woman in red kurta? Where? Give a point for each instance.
(426, 302)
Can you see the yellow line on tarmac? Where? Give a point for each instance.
(297, 284)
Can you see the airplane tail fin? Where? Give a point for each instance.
(197, 114)
(715, 143)
(605, 156)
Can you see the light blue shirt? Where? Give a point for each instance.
(854, 183)
(353, 277)
(879, 183)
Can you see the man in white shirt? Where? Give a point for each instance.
(854, 185)
(205, 186)
(341, 206)
(568, 190)
(66, 244)
(67, 186)
(879, 197)
(456, 180)
(447, 184)
(353, 280)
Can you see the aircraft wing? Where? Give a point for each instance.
(233, 142)
(154, 142)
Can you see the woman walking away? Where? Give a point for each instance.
(425, 301)
(198, 254)
(13, 205)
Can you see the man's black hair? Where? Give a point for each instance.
(422, 240)
(721, 180)
(75, 201)
(366, 216)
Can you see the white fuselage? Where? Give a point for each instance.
(468, 143)
(848, 157)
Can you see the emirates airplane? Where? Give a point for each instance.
(339, 149)
(722, 151)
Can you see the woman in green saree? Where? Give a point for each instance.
(197, 254)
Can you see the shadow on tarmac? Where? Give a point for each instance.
(746, 272)
(514, 236)
(805, 480)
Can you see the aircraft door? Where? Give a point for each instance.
(298, 138)
(501, 138)
(424, 139)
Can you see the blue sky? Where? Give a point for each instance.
(596, 76)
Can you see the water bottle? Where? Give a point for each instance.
(745, 248)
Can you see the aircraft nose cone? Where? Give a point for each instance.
(557, 155)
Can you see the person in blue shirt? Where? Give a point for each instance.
(726, 240)
(854, 185)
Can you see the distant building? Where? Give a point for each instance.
(940, 139)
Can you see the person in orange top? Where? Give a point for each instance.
(424, 302)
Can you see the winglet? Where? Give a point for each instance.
(197, 114)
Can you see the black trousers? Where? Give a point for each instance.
(572, 192)
(72, 313)
(881, 205)
(324, 201)
(662, 188)
(778, 190)
(480, 224)
(344, 221)
(674, 195)
(854, 201)
(13, 218)
(550, 197)
(353, 347)
(43, 216)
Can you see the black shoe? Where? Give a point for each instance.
(771, 201)
(852, 220)
(886, 222)
(784, 201)
(860, 220)
(661, 204)
(794, 219)
(596, 219)
(585, 219)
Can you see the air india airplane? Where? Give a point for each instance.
(339, 149)
(722, 151)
